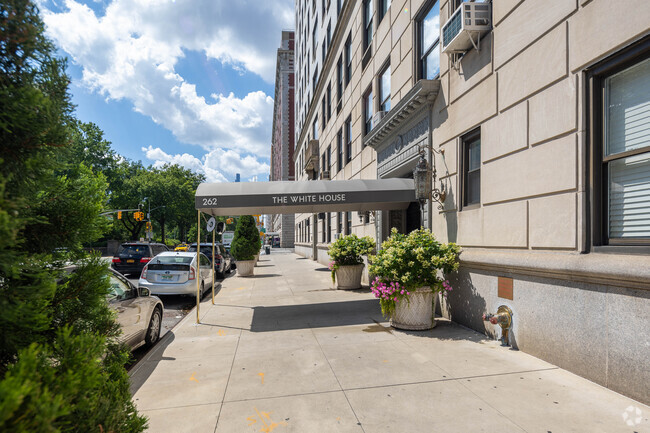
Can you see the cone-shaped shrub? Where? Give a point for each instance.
(246, 242)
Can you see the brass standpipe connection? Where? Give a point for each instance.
(503, 318)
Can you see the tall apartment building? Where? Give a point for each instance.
(539, 134)
(282, 145)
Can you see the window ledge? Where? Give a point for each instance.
(622, 270)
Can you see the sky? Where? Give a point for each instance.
(189, 82)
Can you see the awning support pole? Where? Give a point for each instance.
(213, 231)
(198, 266)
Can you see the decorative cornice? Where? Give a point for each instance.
(423, 93)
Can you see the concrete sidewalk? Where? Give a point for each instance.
(284, 352)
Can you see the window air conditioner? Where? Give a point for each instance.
(378, 116)
(469, 22)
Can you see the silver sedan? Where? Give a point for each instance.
(175, 273)
(138, 313)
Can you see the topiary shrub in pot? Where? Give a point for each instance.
(245, 244)
(410, 270)
(347, 261)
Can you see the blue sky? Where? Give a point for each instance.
(176, 81)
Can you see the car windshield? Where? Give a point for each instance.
(134, 249)
(207, 250)
(173, 260)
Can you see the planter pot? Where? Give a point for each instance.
(257, 259)
(417, 313)
(245, 268)
(349, 276)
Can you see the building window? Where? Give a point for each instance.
(383, 9)
(348, 223)
(323, 52)
(314, 36)
(324, 107)
(620, 140)
(323, 236)
(315, 128)
(348, 60)
(328, 166)
(338, 6)
(339, 79)
(315, 80)
(329, 34)
(308, 237)
(322, 162)
(329, 227)
(367, 23)
(348, 140)
(339, 223)
(367, 111)
(384, 90)
(329, 101)
(471, 151)
(428, 38)
(339, 150)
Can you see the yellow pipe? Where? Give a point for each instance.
(198, 266)
(213, 266)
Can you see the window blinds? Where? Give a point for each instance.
(628, 128)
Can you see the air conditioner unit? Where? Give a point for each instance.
(469, 22)
(378, 116)
(325, 175)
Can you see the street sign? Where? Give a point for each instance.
(211, 224)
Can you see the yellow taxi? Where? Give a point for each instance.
(181, 247)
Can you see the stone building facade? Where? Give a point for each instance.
(539, 135)
(282, 146)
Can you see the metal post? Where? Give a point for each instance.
(213, 232)
(198, 266)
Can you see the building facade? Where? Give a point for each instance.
(282, 139)
(539, 136)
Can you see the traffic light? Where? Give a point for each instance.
(149, 228)
(229, 221)
(138, 216)
(119, 214)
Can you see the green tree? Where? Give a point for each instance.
(246, 242)
(60, 369)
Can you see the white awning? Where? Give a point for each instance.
(315, 196)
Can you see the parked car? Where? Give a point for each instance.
(138, 313)
(132, 256)
(223, 260)
(175, 273)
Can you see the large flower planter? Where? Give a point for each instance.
(349, 276)
(416, 313)
(245, 268)
(257, 259)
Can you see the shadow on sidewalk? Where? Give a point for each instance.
(320, 315)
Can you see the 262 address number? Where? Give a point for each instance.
(212, 201)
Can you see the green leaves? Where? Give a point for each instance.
(414, 260)
(246, 243)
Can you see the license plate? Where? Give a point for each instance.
(166, 277)
(130, 261)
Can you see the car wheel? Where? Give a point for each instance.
(153, 332)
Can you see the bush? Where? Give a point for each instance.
(246, 243)
(66, 387)
(407, 262)
(348, 250)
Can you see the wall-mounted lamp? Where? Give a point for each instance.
(424, 177)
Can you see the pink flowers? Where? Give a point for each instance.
(331, 266)
(388, 291)
(447, 288)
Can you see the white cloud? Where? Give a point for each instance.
(132, 50)
(218, 165)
